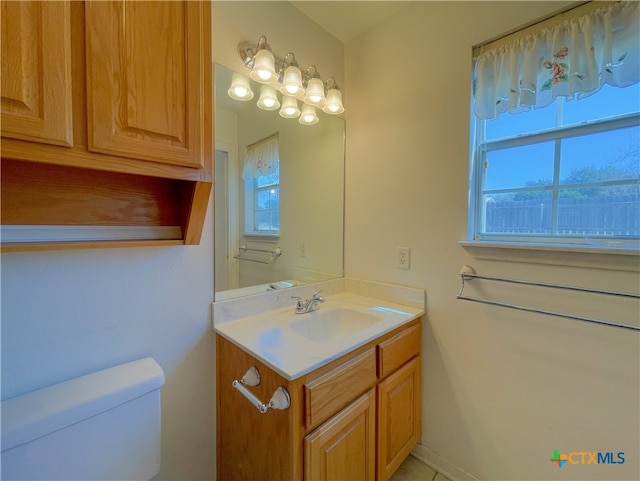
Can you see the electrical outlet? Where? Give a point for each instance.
(404, 258)
(302, 249)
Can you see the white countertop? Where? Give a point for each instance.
(269, 336)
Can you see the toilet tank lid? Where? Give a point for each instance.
(46, 410)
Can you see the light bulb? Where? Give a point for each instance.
(315, 92)
(289, 108)
(240, 91)
(240, 88)
(308, 115)
(268, 98)
(292, 81)
(334, 102)
(263, 67)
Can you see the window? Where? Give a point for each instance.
(563, 166)
(262, 188)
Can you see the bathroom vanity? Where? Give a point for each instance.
(351, 371)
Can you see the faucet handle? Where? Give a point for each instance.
(299, 303)
(317, 297)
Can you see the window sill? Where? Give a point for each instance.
(258, 236)
(570, 255)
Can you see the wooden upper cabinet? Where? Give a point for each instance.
(146, 80)
(36, 72)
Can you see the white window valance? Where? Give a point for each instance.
(575, 57)
(263, 158)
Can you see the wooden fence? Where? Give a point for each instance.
(593, 216)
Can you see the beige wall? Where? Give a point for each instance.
(502, 389)
(69, 313)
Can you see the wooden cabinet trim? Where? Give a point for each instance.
(39, 153)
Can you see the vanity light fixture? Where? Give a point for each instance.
(292, 77)
(289, 109)
(286, 76)
(308, 115)
(315, 88)
(240, 88)
(268, 98)
(334, 98)
(263, 68)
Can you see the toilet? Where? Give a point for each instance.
(102, 426)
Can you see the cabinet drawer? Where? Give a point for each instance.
(332, 391)
(394, 352)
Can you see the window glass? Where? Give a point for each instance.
(599, 211)
(605, 103)
(518, 213)
(508, 125)
(579, 184)
(600, 157)
(525, 166)
(266, 208)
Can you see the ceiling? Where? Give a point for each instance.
(346, 20)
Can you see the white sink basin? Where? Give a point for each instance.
(329, 325)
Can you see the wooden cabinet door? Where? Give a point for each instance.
(398, 417)
(145, 80)
(343, 448)
(36, 72)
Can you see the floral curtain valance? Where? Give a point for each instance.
(573, 58)
(263, 158)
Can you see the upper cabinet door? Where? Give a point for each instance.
(36, 72)
(145, 80)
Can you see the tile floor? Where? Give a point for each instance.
(414, 470)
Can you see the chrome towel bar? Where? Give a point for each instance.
(277, 252)
(468, 273)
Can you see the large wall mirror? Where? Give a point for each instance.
(275, 234)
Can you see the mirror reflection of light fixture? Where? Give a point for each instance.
(268, 98)
(308, 115)
(240, 88)
(289, 109)
(286, 76)
(334, 98)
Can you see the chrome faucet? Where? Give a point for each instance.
(311, 304)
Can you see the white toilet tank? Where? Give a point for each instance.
(105, 425)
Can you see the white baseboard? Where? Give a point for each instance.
(441, 465)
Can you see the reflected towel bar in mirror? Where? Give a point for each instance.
(277, 252)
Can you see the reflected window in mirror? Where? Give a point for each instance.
(261, 176)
